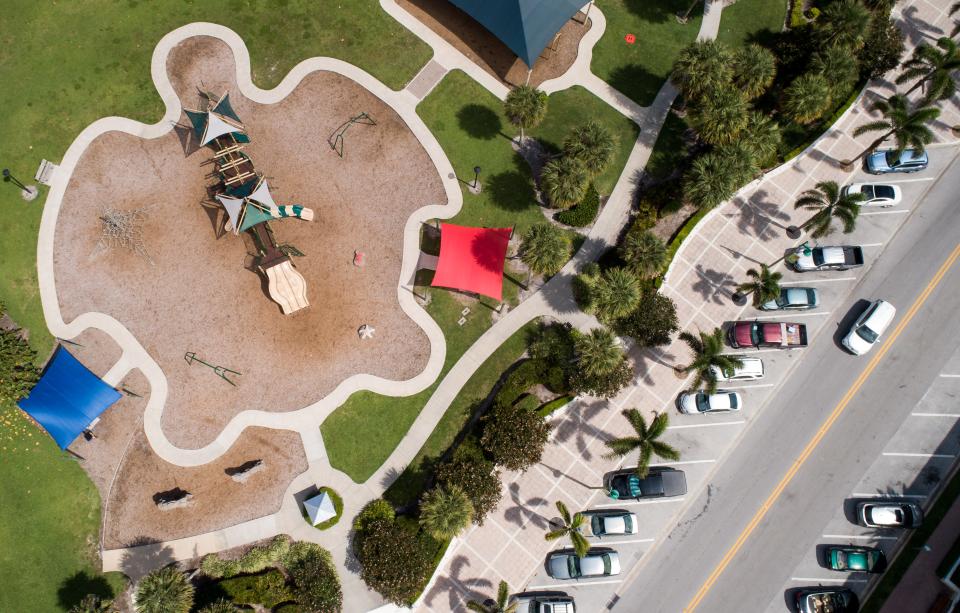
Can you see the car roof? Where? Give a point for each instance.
(883, 313)
(886, 514)
(721, 400)
(592, 564)
(797, 295)
(910, 155)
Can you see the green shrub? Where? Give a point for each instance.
(394, 560)
(337, 507)
(268, 589)
(18, 371)
(796, 14)
(527, 402)
(316, 585)
(684, 232)
(514, 437)
(253, 561)
(646, 216)
(554, 378)
(519, 381)
(552, 405)
(584, 213)
(375, 509)
(652, 323)
(476, 475)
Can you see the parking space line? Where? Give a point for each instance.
(891, 212)
(683, 462)
(554, 586)
(828, 579)
(882, 495)
(708, 425)
(912, 180)
(602, 543)
(809, 281)
(871, 244)
(946, 376)
(623, 503)
(747, 387)
(954, 415)
(898, 454)
(868, 537)
(793, 314)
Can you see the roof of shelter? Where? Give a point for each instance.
(471, 259)
(320, 508)
(67, 398)
(526, 26)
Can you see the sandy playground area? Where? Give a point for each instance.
(198, 294)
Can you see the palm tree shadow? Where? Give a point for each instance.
(577, 426)
(713, 285)
(144, 555)
(449, 584)
(522, 513)
(557, 473)
(81, 584)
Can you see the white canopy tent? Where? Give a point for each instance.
(320, 508)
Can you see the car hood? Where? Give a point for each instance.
(856, 344)
(688, 403)
(741, 332)
(878, 160)
(674, 483)
(558, 567)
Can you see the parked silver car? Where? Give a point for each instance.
(597, 563)
(692, 403)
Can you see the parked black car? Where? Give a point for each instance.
(660, 482)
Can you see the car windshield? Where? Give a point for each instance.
(703, 404)
(733, 401)
(841, 559)
(596, 523)
(628, 523)
(755, 336)
(573, 566)
(884, 191)
(867, 334)
(893, 158)
(867, 191)
(607, 567)
(818, 257)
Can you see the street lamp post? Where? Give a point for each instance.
(476, 176)
(12, 179)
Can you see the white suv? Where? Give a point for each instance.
(866, 331)
(752, 368)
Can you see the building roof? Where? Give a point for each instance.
(526, 26)
(471, 259)
(67, 398)
(320, 508)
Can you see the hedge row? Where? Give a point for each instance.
(254, 561)
(584, 213)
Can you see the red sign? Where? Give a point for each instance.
(630, 38)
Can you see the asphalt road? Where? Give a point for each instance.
(671, 575)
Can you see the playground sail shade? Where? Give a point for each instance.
(67, 398)
(471, 259)
(216, 122)
(525, 26)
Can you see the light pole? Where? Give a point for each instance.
(12, 179)
(475, 187)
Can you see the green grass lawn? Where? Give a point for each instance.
(65, 66)
(408, 487)
(742, 21)
(669, 150)
(638, 70)
(51, 518)
(572, 107)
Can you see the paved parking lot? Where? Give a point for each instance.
(913, 464)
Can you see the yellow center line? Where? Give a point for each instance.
(824, 428)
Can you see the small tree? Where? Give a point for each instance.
(514, 437)
(91, 603)
(645, 441)
(18, 372)
(598, 352)
(393, 560)
(839, 67)
(908, 127)
(570, 528)
(761, 138)
(720, 117)
(764, 285)
(592, 145)
(807, 97)
(500, 605)
(653, 321)
(525, 107)
(615, 294)
(316, 585)
(715, 176)
(843, 24)
(707, 355)
(882, 48)
(445, 511)
(754, 69)
(829, 203)
(644, 253)
(476, 475)
(605, 385)
(221, 606)
(565, 181)
(164, 591)
(545, 248)
(701, 67)
(933, 67)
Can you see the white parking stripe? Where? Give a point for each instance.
(683, 462)
(918, 455)
(638, 502)
(811, 281)
(954, 415)
(946, 376)
(793, 314)
(843, 579)
(708, 425)
(869, 537)
(747, 387)
(882, 495)
(891, 212)
(912, 180)
(604, 543)
(750, 351)
(554, 586)
(871, 244)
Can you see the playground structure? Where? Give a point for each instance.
(336, 139)
(245, 196)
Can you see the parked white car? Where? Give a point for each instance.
(876, 194)
(866, 331)
(693, 403)
(752, 368)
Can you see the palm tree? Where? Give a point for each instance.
(843, 24)
(829, 203)
(164, 591)
(645, 440)
(92, 603)
(700, 68)
(597, 353)
(764, 286)
(571, 528)
(761, 137)
(906, 126)
(807, 97)
(644, 253)
(715, 176)
(592, 144)
(220, 606)
(565, 181)
(495, 606)
(721, 116)
(754, 69)
(545, 248)
(707, 352)
(616, 294)
(445, 511)
(838, 66)
(525, 106)
(933, 67)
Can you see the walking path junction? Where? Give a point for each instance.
(510, 545)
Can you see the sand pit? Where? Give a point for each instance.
(198, 295)
(131, 516)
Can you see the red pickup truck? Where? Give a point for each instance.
(767, 334)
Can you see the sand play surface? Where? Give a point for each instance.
(199, 294)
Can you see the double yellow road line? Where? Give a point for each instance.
(824, 428)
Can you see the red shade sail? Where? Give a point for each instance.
(471, 259)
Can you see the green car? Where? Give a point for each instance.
(853, 558)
